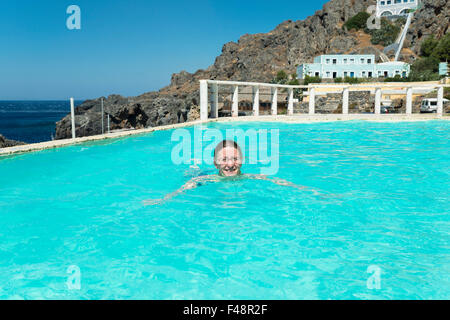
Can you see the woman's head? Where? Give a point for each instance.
(228, 158)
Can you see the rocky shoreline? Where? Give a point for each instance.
(5, 143)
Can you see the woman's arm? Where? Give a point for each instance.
(280, 182)
(191, 184)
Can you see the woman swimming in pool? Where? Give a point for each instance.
(228, 160)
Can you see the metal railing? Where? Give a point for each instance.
(376, 88)
(103, 113)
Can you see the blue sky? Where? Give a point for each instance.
(124, 47)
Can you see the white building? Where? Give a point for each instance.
(395, 7)
(332, 66)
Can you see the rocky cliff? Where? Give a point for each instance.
(433, 18)
(256, 57)
(5, 143)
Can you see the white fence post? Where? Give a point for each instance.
(235, 105)
(290, 110)
(409, 95)
(203, 100)
(215, 101)
(103, 118)
(377, 100)
(274, 101)
(72, 116)
(312, 100)
(440, 101)
(255, 100)
(345, 96)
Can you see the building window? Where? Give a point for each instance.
(370, 74)
(363, 74)
(328, 61)
(345, 61)
(383, 3)
(352, 61)
(352, 74)
(328, 74)
(362, 60)
(369, 61)
(388, 1)
(317, 74)
(345, 73)
(334, 61)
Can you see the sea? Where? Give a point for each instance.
(32, 121)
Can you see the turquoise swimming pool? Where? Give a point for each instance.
(383, 205)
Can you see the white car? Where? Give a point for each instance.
(430, 105)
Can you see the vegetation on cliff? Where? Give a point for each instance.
(386, 35)
(432, 52)
(357, 22)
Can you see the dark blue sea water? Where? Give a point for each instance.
(31, 121)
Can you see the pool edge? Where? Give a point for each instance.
(267, 118)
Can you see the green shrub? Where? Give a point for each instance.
(386, 35)
(447, 93)
(438, 49)
(281, 76)
(309, 79)
(427, 47)
(400, 21)
(352, 80)
(396, 78)
(426, 64)
(357, 22)
(432, 51)
(442, 49)
(426, 75)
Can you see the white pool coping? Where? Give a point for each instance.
(303, 118)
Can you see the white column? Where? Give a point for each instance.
(235, 104)
(290, 110)
(312, 100)
(409, 92)
(274, 101)
(256, 101)
(203, 100)
(103, 122)
(215, 101)
(440, 101)
(345, 98)
(377, 100)
(72, 116)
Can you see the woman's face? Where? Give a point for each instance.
(229, 161)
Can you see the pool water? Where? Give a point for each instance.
(383, 205)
